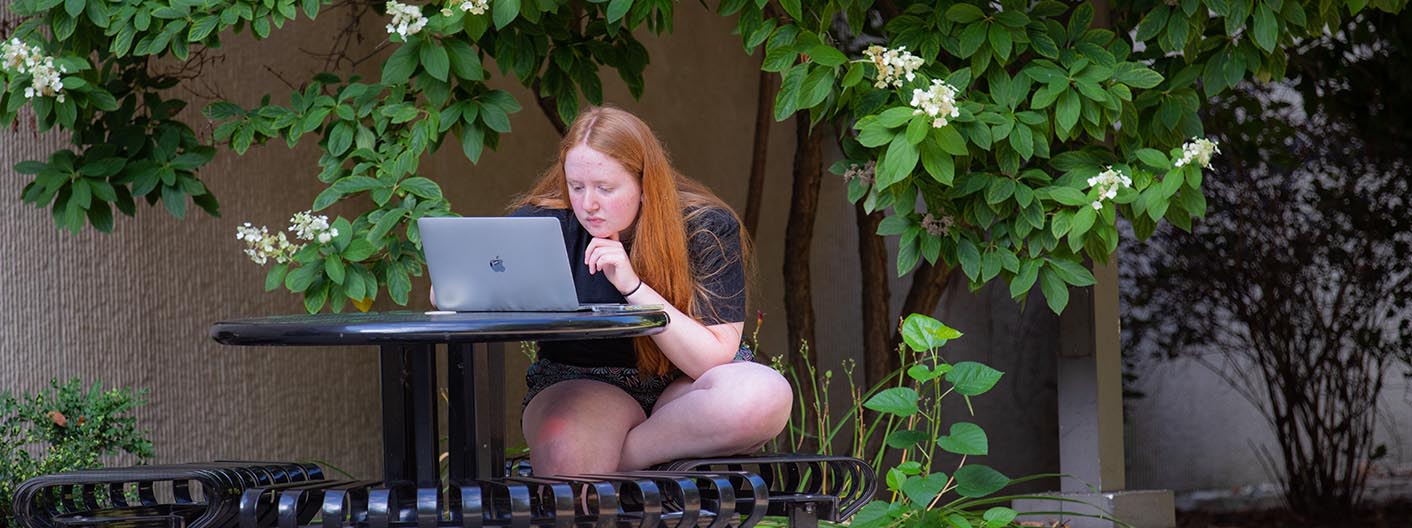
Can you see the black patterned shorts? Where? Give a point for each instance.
(645, 389)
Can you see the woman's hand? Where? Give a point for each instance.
(607, 255)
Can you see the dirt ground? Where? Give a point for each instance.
(1394, 515)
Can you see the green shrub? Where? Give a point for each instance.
(64, 428)
(898, 427)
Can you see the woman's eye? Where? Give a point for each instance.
(605, 189)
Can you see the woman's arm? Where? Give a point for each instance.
(691, 346)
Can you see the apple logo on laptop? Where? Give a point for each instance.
(497, 265)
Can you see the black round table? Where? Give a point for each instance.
(408, 375)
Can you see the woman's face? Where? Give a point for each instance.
(605, 196)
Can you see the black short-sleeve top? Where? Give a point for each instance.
(717, 264)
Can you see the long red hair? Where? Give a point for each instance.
(670, 201)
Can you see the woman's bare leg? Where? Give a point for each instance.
(732, 408)
(578, 426)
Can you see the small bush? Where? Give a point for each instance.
(65, 428)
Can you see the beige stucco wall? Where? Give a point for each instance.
(133, 308)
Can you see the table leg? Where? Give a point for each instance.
(409, 428)
(476, 412)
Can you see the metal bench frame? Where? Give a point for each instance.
(731, 492)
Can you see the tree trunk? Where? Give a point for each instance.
(799, 235)
(764, 110)
(878, 358)
(550, 106)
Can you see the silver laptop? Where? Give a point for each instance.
(500, 264)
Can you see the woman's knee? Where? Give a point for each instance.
(755, 401)
(578, 426)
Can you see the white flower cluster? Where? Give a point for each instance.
(475, 7)
(893, 65)
(260, 246)
(864, 172)
(307, 226)
(938, 102)
(1200, 151)
(937, 226)
(407, 19)
(1108, 182)
(22, 58)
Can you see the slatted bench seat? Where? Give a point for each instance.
(705, 493)
(178, 495)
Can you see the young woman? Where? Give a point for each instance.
(637, 231)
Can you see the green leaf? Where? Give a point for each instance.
(398, 284)
(384, 224)
(358, 250)
(1153, 23)
(202, 28)
(465, 60)
(100, 216)
(894, 225)
(965, 439)
(1154, 158)
(972, 379)
(275, 277)
(435, 60)
(921, 490)
(1083, 219)
(472, 142)
(1066, 114)
(999, 516)
(504, 11)
(923, 333)
(422, 187)
(174, 200)
(1137, 77)
(1000, 41)
(401, 64)
(923, 374)
(899, 401)
(970, 258)
(74, 7)
(975, 480)
(971, 39)
(333, 267)
(1024, 280)
(951, 141)
(963, 13)
(905, 438)
(1266, 30)
(1071, 272)
(917, 129)
(616, 10)
(339, 139)
(301, 277)
(938, 164)
(999, 190)
(1056, 293)
(816, 87)
(793, 9)
(894, 117)
(898, 163)
(314, 300)
(827, 55)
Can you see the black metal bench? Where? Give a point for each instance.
(704, 493)
(150, 496)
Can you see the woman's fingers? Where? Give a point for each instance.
(597, 249)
